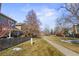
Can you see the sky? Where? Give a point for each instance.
(47, 13)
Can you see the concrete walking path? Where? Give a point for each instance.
(65, 51)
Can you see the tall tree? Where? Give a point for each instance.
(66, 21)
(62, 24)
(32, 24)
(52, 32)
(47, 30)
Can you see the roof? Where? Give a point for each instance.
(7, 17)
(19, 24)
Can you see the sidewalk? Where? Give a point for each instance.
(65, 51)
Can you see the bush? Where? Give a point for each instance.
(16, 33)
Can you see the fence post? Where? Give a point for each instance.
(31, 41)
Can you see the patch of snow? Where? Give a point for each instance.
(62, 40)
(68, 41)
(16, 49)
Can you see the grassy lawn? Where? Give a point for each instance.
(69, 38)
(40, 48)
(72, 46)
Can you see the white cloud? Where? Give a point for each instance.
(47, 15)
(46, 12)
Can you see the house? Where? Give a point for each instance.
(76, 28)
(74, 31)
(18, 30)
(6, 24)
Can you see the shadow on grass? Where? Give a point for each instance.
(6, 43)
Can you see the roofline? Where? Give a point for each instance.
(7, 17)
(19, 24)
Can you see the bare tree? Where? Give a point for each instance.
(73, 8)
(62, 25)
(47, 30)
(32, 25)
(66, 21)
(59, 26)
(52, 32)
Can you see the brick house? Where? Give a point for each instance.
(6, 23)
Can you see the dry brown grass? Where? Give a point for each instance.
(72, 46)
(40, 48)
